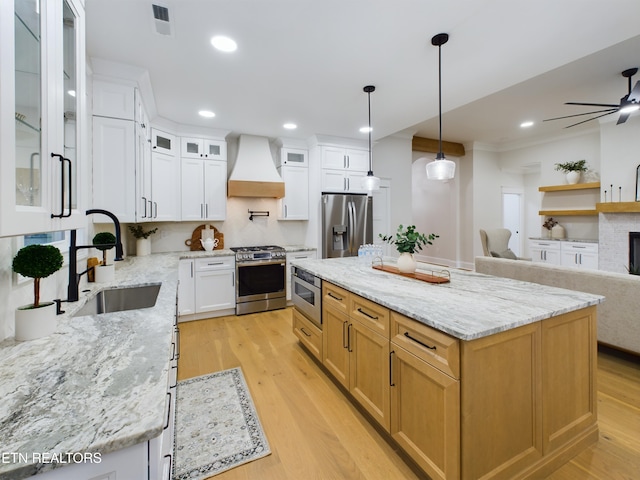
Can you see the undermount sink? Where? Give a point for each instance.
(120, 299)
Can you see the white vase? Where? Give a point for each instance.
(573, 177)
(32, 323)
(406, 263)
(143, 247)
(558, 231)
(104, 273)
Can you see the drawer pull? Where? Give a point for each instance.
(168, 411)
(406, 334)
(367, 314)
(334, 296)
(303, 331)
(391, 383)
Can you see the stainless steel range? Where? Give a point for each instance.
(260, 275)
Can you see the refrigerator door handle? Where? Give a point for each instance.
(352, 226)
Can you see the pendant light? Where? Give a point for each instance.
(440, 168)
(370, 182)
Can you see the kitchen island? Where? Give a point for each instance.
(481, 377)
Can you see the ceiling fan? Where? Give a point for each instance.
(628, 104)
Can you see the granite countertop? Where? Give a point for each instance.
(99, 383)
(471, 306)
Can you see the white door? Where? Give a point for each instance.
(215, 190)
(512, 214)
(192, 189)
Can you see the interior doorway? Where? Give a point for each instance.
(382, 212)
(512, 217)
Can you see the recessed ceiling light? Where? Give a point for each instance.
(224, 44)
(366, 129)
(290, 126)
(206, 114)
(526, 124)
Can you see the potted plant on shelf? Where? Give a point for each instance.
(37, 319)
(104, 241)
(143, 243)
(573, 170)
(408, 242)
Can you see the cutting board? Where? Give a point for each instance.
(194, 242)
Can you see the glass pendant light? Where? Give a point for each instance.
(370, 182)
(440, 168)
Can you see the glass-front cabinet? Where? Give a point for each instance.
(42, 85)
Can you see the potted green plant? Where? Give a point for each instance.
(104, 241)
(37, 319)
(143, 244)
(573, 170)
(408, 241)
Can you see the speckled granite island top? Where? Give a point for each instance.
(471, 306)
(99, 383)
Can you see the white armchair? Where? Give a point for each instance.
(495, 243)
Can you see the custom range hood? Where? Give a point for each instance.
(254, 173)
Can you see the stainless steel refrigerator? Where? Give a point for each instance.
(347, 223)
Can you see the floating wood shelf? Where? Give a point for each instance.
(618, 207)
(564, 188)
(558, 213)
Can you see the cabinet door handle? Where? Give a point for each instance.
(156, 205)
(345, 342)
(303, 331)
(144, 199)
(233, 279)
(391, 382)
(168, 411)
(334, 296)
(349, 337)
(191, 269)
(170, 465)
(62, 182)
(201, 211)
(206, 210)
(285, 211)
(406, 334)
(367, 314)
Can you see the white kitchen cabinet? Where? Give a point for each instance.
(301, 255)
(115, 100)
(342, 181)
(163, 142)
(114, 167)
(186, 287)
(339, 158)
(203, 148)
(292, 157)
(42, 135)
(129, 463)
(545, 251)
(204, 189)
(295, 203)
(215, 284)
(165, 194)
(121, 152)
(579, 255)
(207, 287)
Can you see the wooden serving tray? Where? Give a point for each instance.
(442, 276)
(194, 242)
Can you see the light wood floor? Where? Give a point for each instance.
(316, 433)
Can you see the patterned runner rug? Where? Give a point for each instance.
(217, 426)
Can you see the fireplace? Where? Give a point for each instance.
(634, 253)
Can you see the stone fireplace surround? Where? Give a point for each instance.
(613, 232)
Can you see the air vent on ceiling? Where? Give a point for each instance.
(161, 19)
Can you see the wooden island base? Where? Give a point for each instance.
(517, 404)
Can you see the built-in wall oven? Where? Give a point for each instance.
(306, 294)
(260, 279)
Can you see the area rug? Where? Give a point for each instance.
(217, 426)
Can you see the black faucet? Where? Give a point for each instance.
(74, 276)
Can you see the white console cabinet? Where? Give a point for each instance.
(545, 251)
(565, 253)
(580, 255)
